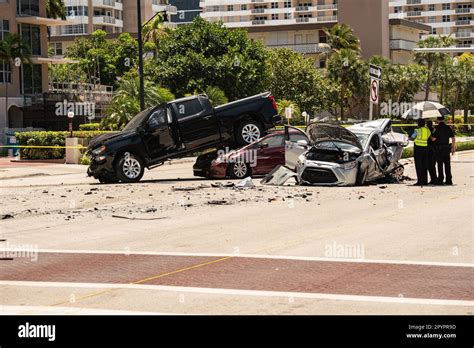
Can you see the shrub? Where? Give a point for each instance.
(48, 139)
(89, 127)
(460, 146)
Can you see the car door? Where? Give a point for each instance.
(156, 135)
(377, 157)
(270, 153)
(197, 122)
(293, 149)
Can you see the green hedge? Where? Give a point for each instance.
(48, 139)
(460, 146)
(89, 127)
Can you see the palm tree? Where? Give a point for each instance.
(13, 48)
(432, 59)
(155, 30)
(341, 36)
(126, 102)
(55, 9)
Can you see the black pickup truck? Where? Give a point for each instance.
(177, 129)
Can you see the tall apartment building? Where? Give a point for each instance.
(187, 10)
(111, 16)
(446, 17)
(299, 24)
(26, 82)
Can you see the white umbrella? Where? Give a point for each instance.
(426, 109)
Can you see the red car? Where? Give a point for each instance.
(257, 158)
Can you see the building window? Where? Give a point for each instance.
(5, 72)
(287, 15)
(446, 7)
(397, 9)
(73, 11)
(243, 7)
(74, 29)
(431, 7)
(274, 4)
(32, 79)
(275, 16)
(30, 35)
(287, 4)
(28, 7)
(57, 48)
(446, 18)
(230, 8)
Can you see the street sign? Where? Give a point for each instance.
(374, 91)
(375, 72)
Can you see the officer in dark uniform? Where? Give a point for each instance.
(444, 150)
(431, 156)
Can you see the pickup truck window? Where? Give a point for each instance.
(188, 108)
(157, 119)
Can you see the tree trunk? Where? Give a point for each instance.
(428, 85)
(341, 105)
(6, 103)
(455, 104)
(441, 96)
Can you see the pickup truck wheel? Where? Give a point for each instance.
(248, 132)
(129, 168)
(239, 170)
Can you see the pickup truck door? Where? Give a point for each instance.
(293, 149)
(156, 134)
(197, 122)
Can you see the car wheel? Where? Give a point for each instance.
(239, 170)
(129, 168)
(248, 132)
(361, 176)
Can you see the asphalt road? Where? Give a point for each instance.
(161, 246)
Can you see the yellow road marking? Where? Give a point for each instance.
(143, 280)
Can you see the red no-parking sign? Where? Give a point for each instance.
(374, 91)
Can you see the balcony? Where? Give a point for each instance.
(464, 34)
(107, 20)
(302, 8)
(463, 10)
(402, 45)
(50, 22)
(414, 14)
(463, 22)
(157, 6)
(308, 48)
(108, 4)
(258, 10)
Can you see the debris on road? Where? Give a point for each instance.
(138, 218)
(219, 202)
(246, 183)
(7, 216)
(278, 176)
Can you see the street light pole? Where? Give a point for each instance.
(140, 57)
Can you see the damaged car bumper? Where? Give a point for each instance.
(327, 174)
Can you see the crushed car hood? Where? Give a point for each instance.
(100, 139)
(321, 132)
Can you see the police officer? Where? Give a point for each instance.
(421, 136)
(444, 150)
(431, 155)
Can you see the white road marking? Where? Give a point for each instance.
(276, 257)
(44, 310)
(237, 292)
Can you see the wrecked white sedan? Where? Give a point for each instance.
(336, 156)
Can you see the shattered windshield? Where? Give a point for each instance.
(362, 138)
